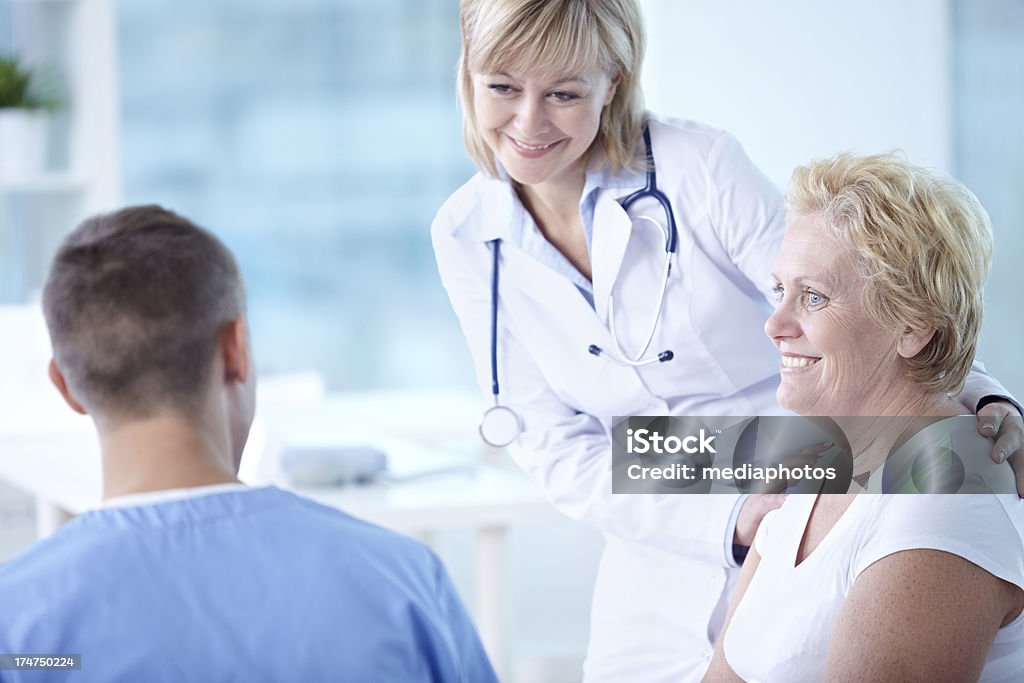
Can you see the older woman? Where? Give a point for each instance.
(879, 282)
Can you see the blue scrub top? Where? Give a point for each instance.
(252, 585)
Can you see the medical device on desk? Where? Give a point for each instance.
(333, 465)
(501, 425)
(380, 459)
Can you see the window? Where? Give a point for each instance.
(317, 138)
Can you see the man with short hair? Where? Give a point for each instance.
(184, 573)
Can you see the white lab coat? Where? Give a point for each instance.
(667, 567)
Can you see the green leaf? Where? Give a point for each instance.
(16, 86)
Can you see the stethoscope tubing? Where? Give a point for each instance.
(494, 320)
(671, 237)
(650, 189)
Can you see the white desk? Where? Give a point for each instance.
(62, 470)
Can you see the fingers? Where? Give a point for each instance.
(773, 501)
(1017, 463)
(764, 503)
(990, 417)
(755, 507)
(1010, 446)
(1009, 442)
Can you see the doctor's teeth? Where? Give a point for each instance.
(532, 147)
(792, 362)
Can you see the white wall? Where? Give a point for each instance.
(799, 79)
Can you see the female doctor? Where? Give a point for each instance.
(606, 261)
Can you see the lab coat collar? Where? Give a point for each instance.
(620, 184)
(498, 214)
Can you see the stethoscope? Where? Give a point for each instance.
(500, 424)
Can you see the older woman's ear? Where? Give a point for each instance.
(912, 342)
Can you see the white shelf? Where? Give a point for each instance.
(78, 39)
(43, 183)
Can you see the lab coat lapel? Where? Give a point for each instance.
(612, 228)
(552, 302)
(551, 292)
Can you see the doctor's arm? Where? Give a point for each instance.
(567, 452)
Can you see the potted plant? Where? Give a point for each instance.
(23, 120)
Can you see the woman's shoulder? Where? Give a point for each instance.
(476, 213)
(460, 204)
(473, 216)
(691, 150)
(697, 130)
(986, 529)
(687, 134)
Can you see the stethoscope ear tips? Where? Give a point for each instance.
(666, 356)
(594, 349)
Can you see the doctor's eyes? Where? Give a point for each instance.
(809, 299)
(564, 96)
(500, 89)
(559, 96)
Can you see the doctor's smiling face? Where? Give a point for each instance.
(541, 127)
(835, 359)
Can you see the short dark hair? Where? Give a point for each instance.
(135, 301)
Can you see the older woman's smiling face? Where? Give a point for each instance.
(835, 359)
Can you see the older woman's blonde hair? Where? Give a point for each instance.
(563, 36)
(923, 245)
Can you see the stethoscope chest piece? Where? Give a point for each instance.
(500, 426)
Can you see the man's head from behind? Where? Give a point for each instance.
(146, 317)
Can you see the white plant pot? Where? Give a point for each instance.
(24, 136)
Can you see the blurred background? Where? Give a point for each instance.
(319, 137)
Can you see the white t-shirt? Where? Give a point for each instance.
(782, 628)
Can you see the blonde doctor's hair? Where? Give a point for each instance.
(558, 36)
(922, 244)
